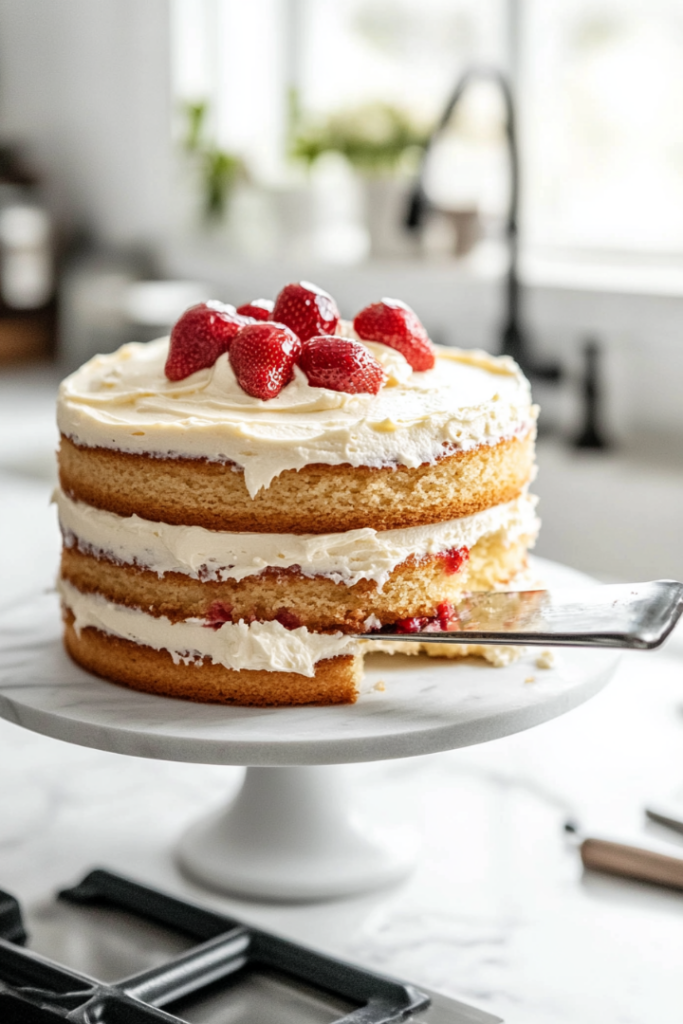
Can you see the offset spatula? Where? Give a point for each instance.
(637, 615)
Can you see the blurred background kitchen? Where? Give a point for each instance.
(513, 169)
(155, 154)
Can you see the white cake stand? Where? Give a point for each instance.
(291, 832)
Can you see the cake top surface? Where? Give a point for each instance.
(124, 401)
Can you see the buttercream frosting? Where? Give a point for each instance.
(344, 557)
(264, 646)
(124, 401)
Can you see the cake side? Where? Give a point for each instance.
(124, 402)
(335, 681)
(230, 524)
(365, 595)
(315, 499)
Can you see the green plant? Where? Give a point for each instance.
(195, 116)
(218, 169)
(374, 138)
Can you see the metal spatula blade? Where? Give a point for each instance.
(636, 615)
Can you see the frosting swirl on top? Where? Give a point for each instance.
(124, 401)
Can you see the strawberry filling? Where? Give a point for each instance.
(218, 614)
(454, 559)
(288, 619)
(441, 622)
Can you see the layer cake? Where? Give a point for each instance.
(224, 547)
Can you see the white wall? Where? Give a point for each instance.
(85, 85)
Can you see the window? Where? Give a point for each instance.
(599, 91)
(405, 52)
(602, 88)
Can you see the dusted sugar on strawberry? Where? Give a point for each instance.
(263, 357)
(259, 309)
(306, 309)
(202, 334)
(341, 365)
(393, 323)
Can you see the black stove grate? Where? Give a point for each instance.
(35, 990)
(11, 922)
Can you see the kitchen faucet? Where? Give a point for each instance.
(514, 340)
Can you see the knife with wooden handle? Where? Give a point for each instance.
(632, 862)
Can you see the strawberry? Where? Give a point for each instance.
(306, 309)
(263, 357)
(341, 365)
(392, 323)
(200, 336)
(259, 309)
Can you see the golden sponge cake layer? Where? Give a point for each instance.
(314, 499)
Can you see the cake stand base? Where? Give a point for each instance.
(292, 834)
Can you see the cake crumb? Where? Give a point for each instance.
(530, 679)
(546, 659)
(380, 686)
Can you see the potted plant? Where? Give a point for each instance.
(383, 144)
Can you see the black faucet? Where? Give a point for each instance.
(514, 341)
(591, 434)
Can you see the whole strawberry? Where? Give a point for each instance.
(306, 309)
(263, 357)
(200, 336)
(259, 309)
(341, 365)
(392, 323)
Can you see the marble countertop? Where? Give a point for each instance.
(498, 913)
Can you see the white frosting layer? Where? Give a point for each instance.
(344, 557)
(266, 646)
(124, 401)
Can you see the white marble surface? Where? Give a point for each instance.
(498, 913)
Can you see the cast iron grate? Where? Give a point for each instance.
(35, 990)
(11, 923)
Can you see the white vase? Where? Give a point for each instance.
(386, 203)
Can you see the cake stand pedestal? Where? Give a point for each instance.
(292, 833)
